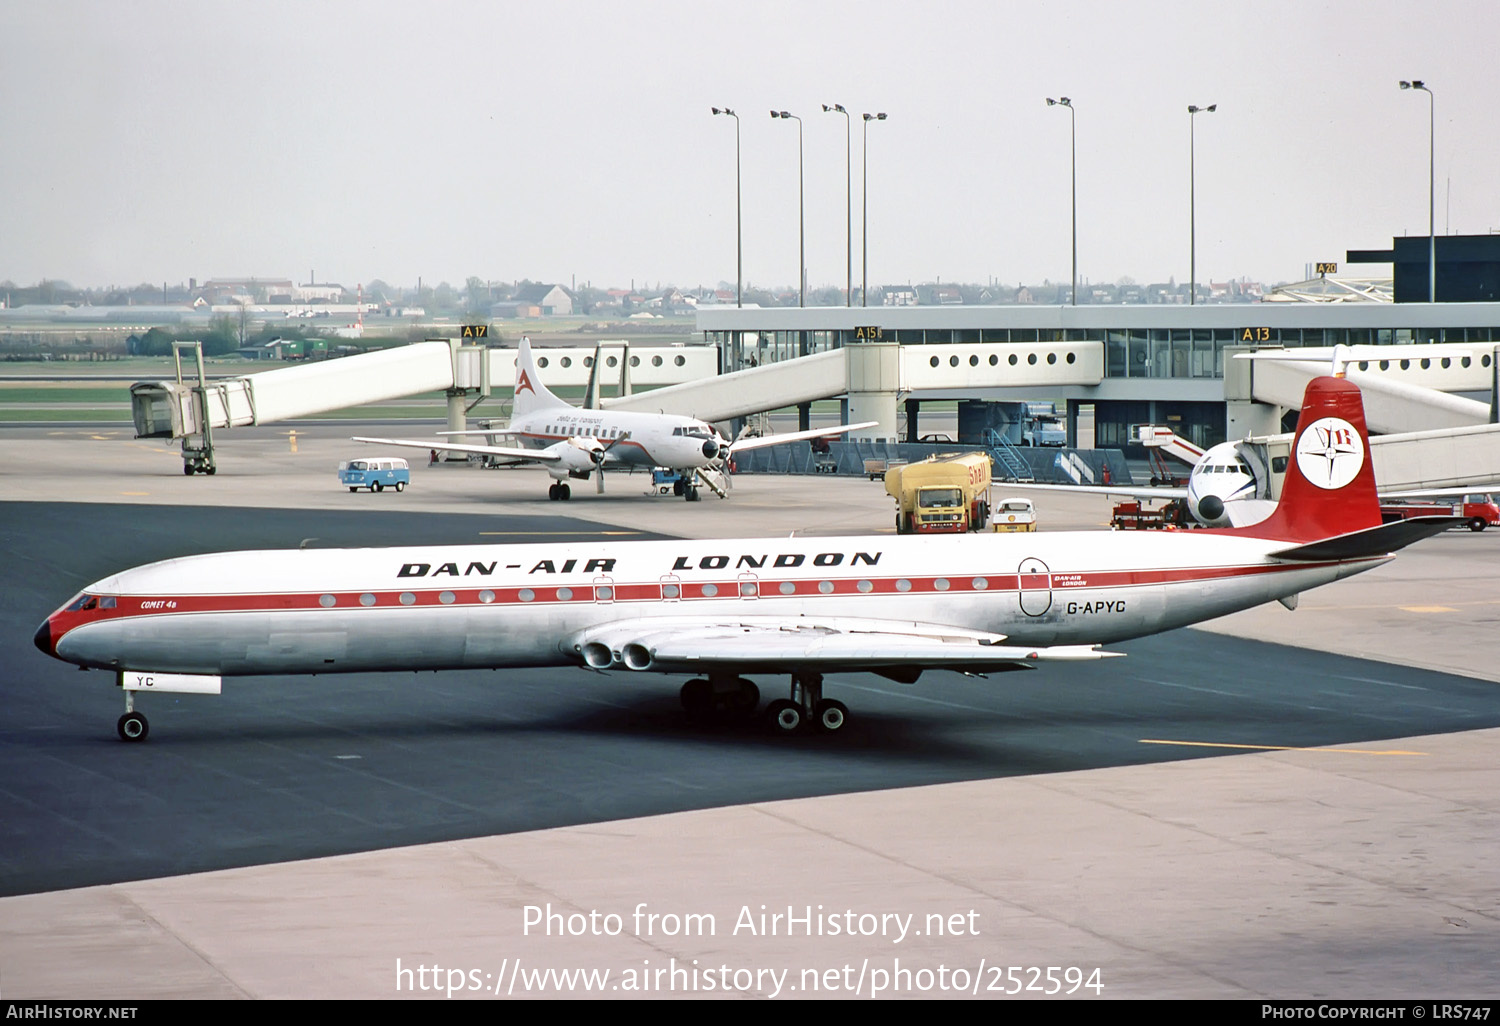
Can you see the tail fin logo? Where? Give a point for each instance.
(523, 383)
(1330, 453)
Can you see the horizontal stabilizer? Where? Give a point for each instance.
(1372, 541)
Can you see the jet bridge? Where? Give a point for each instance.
(873, 375)
(1406, 387)
(1453, 458)
(174, 409)
(467, 374)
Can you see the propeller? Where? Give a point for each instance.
(599, 456)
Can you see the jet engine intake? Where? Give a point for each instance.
(636, 656)
(598, 656)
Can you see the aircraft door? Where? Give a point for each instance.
(1034, 586)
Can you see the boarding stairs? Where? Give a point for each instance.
(1010, 463)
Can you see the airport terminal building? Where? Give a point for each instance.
(1155, 363)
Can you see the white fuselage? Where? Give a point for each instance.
(474, 606)
(1223, 475)
(632, 439)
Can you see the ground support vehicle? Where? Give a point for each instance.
(944, 494)
(1478, 511)
(375, 473)
(1013, 514)
(1137, 516)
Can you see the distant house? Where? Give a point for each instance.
(551, 300)
(221, 291)
(939, 295)
(898, 295)
(327, 292)
(510, 309)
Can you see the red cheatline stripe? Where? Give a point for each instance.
(691, 591)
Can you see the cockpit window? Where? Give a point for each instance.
(82, 603)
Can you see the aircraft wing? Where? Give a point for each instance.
(508, 452)
(761, 441)
(1125, 491)
(899, 649)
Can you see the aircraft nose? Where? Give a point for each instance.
(43, 638)
(710, 448)
(1211, 507)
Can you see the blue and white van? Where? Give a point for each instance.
(376, 473)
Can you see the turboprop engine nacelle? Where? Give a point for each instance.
(576, 457)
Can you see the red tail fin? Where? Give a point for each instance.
(1330, 480)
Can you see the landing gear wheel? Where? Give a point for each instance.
(377, 487)
(691, 493)
(1477, 524)
(785, 716)
(697, 695)
(829, 716)
(698, 701)
(678, 487)
(354, 489)
(552, 491)
(564, 492)
(745, 698)
(400, 486)
(133, 727)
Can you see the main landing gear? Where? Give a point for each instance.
(559, 491)
(807, 706)
(686, 489)
(737, 697)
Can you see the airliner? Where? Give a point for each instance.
(1230, 484)
(720, 611)
(573, 443)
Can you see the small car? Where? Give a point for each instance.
(1014, 515)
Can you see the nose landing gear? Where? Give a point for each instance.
(132, 726)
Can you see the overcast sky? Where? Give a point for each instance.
(563, 141)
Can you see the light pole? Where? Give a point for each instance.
(1431, 185)
(739, 245)
(801, 220)
(838, 108)
(1073, 122)
(1193, 200)
(864, 230)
